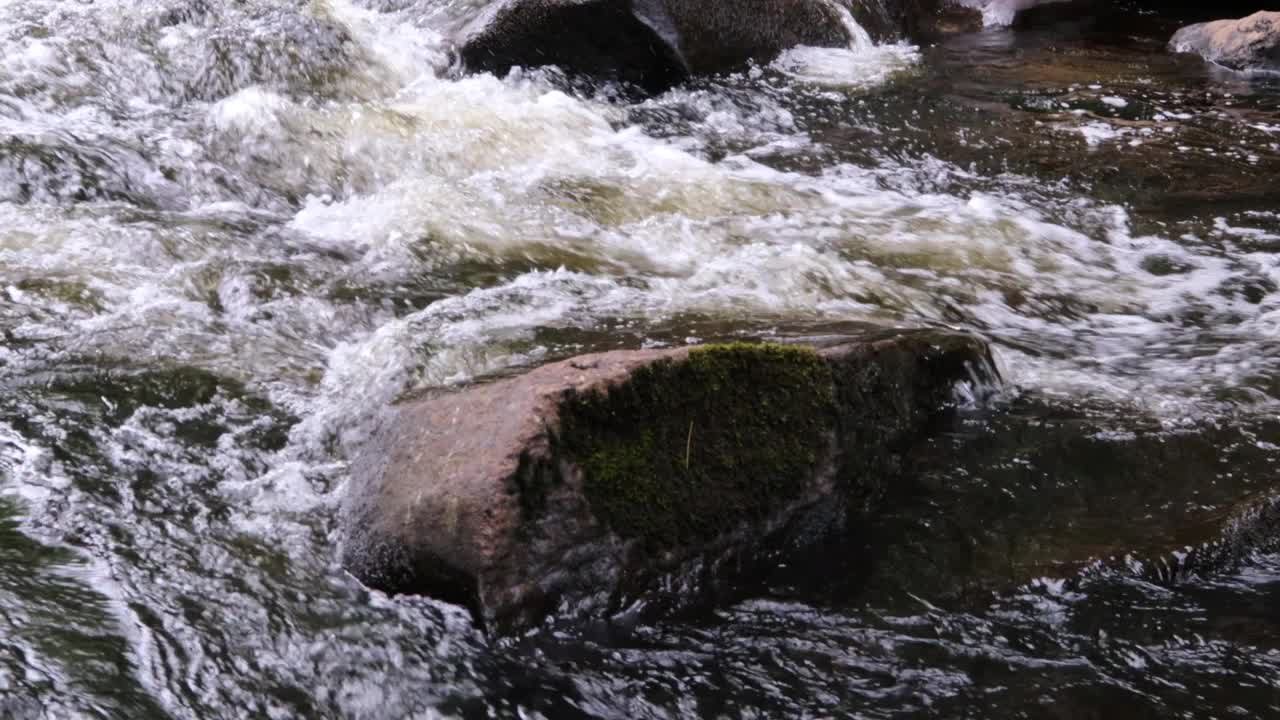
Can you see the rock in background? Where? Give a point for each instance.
(654, 44)
(1251, 43)
(601, 38)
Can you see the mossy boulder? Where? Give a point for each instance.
(591, 483)
(727, 432)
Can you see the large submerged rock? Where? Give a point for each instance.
(587, 484)
(1251, 43)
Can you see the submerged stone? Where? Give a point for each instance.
(1250, 43)
(586, 485)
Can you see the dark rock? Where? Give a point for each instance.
(1001, 495)
(1251, 43)
(654, 44)
(919, 20)
(724, 35)
(939, 18)
(649, 43)
(1032, 14)
(1230, 538)
(591, 483)
(602, 38)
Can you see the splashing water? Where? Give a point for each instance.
(859, 38)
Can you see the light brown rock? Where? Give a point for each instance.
(1251, 43)
(567, 489)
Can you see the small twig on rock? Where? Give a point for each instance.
(688, 446)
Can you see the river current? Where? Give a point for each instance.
(231, 231)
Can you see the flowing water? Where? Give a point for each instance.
(232, 230)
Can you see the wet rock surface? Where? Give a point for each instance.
(925, 20)
(654, 44)
(603, 39)
(721, 36)
(591, 483)
(1249, 43)
(995, 499)
(649, 43)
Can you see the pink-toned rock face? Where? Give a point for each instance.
(1251, 43)
(586, 484)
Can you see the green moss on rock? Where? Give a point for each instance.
(688, 449)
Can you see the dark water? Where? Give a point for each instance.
(232, 231)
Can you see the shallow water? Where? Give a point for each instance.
(232, 231)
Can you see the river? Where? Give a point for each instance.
(231, 231)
